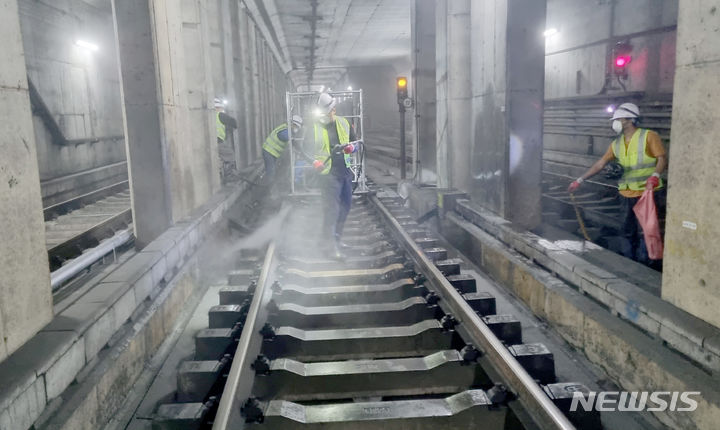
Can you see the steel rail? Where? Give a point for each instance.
(87, 198)
(241, 377)
(111, 222)
(537, 404)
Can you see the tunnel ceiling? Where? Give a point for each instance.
(320, 38)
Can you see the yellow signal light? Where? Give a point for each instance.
(402, 82)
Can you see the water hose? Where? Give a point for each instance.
(579, 217)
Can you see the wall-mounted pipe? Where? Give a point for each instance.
(92, 139)
(77, 265)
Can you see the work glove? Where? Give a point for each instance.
(574, 185)
(318, 165)
(349, 148)
(652, 182)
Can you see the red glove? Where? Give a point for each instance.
(574, 185)
(349, 148)
(652, 182)
(318, 165)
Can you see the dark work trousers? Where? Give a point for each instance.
(633, 245)
(270, 165)
(337, 198)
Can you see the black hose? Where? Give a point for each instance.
(249, 181)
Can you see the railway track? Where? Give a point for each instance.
(394, 336)
(81, 223)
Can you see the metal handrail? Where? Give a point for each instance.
(538, 405)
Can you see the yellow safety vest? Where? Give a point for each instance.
(220, 127)
(273, 144)
(322, 142)
(637, 165)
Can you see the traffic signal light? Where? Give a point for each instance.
(621, 58)
(402, 92)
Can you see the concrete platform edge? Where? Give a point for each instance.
(682, 331)
(633, 360)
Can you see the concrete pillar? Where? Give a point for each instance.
(238, 77)
(508, 60)
(422, 25)
(269, 89)
(147, 149)
(206, 179)
(692, 238)
(254, 80)
(229, 37)
(167, 87)
(25, 295)
(263, 83)
(525, 100)
(247, 83)
(272, 105)
(453, 93)
(275, 84)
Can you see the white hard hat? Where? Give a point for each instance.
(626, 110)
(218, 103)
(297, 120)
(326, 103)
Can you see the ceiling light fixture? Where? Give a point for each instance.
(87, 45)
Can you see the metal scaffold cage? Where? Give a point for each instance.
(304, 180)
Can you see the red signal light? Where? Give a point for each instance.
(622, 60)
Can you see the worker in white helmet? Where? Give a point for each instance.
(642, 156)
(331, 137)
(224, 125)
(276, 143)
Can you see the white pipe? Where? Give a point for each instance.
(89, 257)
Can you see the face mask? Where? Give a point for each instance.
(325, 119)
(617, 126)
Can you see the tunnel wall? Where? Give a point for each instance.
(80, 88)
(381, 116)
(175, 59)
(575, 61)
(252, 79)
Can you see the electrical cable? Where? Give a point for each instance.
(620, 82)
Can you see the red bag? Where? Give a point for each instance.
(646, 214)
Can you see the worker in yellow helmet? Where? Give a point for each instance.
(642, 156)
(332, 137)
(224, 125)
